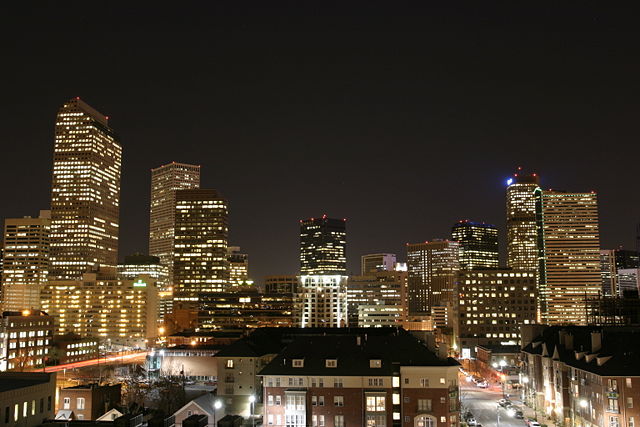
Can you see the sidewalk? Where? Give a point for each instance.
(528, 413)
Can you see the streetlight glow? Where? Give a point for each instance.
(583, 403)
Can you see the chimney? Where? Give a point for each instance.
(596, 341)
(358, 340)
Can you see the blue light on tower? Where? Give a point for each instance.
(510, 181)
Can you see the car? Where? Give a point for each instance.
(472, 422)
(519, 415)
(483, 384)
(468, 416)
(504, 402)
(533, 423)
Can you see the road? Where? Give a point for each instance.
(116, 358)
(483, 404)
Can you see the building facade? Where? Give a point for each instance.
(145, 265)
(25, 262)
(377, 299)
(492, 305)
(372, 263)
(85, 192)
(25, 340)
(281, 284)
(478, 244)
(321, 301)
(117, 312)
(432, 271)
(27, 398)
(201, 240)
(238, 267)
(522, 230)
(569, 252)
(360, 380)
(323, 244)
(165, 181)
(90, 401)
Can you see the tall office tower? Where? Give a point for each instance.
(165, 181)
(323, 246)
(85, 192)
(238, 267)
(478, 244)
(371, 263)
(200, 248)
(522, 231)
(321, 301)
(145, 265)
(26, 261)
(608, 272)
(569, 253)
(432, 270)
(377, 299)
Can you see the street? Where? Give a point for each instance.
(483, 404)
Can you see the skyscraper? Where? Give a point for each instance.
(322, 295)
(432, 267)
(201, 239)
(478, 244)
(165, 181)
(323, 246)
(85, 192)
(238, 267)
(522, 231)
(26, 261)
(569, 253)
(371, 263)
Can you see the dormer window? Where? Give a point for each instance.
(331, 363)
(298, 363)
(375, 363)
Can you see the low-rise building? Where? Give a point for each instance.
(358, 379)
(25, 339)
(90, 401)
(584, 376)
(26, 398)
(72, 348)
(207, 405)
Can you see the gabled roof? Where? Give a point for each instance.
(204, 402)
(110, 415)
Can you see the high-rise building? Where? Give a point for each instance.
(522, 231)
(281, 284)
(492, 305)
(201, 239)
(321, 301)
(608, 272)
(117, 311)
(569, 253)
(165, 181)
(372, 263)
(478, 244)
(323, 246)
(145, 265)
(238, 267)
(26, 261)
(432, 270)
(85, 192)
(377, 299)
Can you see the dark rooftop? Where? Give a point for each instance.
(17, 380)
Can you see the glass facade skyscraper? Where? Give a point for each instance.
(478, 244)
(522, 232)
(323, 246)
(85, 192)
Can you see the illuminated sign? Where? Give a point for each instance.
(510, 181)
(139, 284)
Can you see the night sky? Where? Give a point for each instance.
(401, 120)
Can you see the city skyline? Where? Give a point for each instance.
(385, 125)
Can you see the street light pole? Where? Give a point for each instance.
(252, 400)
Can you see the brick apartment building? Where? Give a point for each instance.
(584, 376)
(357, 379)
(89, 402)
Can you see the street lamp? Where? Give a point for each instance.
(216, 405)
(252, 400)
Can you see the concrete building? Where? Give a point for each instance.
(72, 348)
(491, 307)
(377, 299)
(432, 271)
(522, 230)
(25, 340)
(117, 312)
(85, 192)
(165, 181)
(238, 267)
(359, 379)
(372, 263)
(583, 376)
(478, 244)
(200, 250)
(25, 262)
(26, 398)
(321, 301)
(144, 265)
(90, 401)
(569, 253)
(281, 284)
